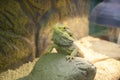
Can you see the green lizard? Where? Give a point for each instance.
(63, 42)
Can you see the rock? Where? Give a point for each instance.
(16, 36)
(56, 67)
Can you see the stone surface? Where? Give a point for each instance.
(16, 35)
(100, 47)
(56, 67)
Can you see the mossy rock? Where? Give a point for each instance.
(16, 35)
(56, 67)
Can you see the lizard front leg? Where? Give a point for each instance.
(50, 49)
(72, 55)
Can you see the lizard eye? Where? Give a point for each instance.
(64, 27)
(70, 35)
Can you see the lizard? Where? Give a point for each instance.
(63, 42)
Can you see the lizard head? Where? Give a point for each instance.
(62, 35)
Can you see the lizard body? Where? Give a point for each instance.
(63, 42)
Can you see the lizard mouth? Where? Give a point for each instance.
(64, 45)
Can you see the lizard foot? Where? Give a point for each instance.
(69, 57)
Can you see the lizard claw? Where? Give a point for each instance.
(69, 57)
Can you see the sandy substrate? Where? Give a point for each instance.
(24, 70)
